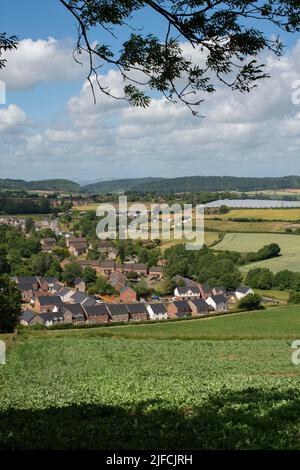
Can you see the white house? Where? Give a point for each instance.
(65, 294)
(187, 292)
(242, 291)
(218, 302)
(157, 311)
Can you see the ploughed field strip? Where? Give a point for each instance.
(87, 391)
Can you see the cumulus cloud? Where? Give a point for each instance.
(12, 119)
(34, 62)
(242, 134)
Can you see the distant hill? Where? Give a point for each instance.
(194, 184)
(45, 185)
(122, 185)
(182, 184)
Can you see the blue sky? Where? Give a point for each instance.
(51, 129)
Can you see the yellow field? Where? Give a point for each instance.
(209, 239)
(267, 214)
(229, 226)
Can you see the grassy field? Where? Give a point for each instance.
(266, 214)
(209, 239)
(275, 294)
(245, 242)
(80, 390)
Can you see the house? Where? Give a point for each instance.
(178, 309)
(157, 311)
(29, 317)
(66, 294)
(242, 291)
(137, 311)
(218, 290)
(107, 267)
(79, 285)
(127, 294)
(118, 312)
(187, 293)
(82, 299)
(117, 280)
(48, 244)
(112, 254)
(73, 313)
(103, 246)
(47, 303)
(27, 285)
(97, 313)
(139, 268)
(77, 248)
(49, 319)
(71, 239)
(49, 283)
(156, 272)
(205, 291)
(92, 263)
(198, 307)
(218, 302)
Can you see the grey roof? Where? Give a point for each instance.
(50, 279)
(28, 315)
(117, 309)
(26, 282)
(64, 291)
(219, 299)
(243, 289)
(182, 305)
(201, 305)
(136, 308)
(51, 317)
(184, 290)
(156, 269)
(88, 302)
(158, 308)
(73, 308)
(50, 300)
(79, 297)
(98, 309)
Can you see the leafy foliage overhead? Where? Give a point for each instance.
(227, 36)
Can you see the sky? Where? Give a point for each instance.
(50, 127)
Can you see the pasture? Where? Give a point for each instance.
(225, 225)
(153, 393)
(245, 242)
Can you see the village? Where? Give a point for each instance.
(48, 301)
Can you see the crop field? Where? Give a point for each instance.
(266, 214)
(80, 390)
(209, 239)
(231, 226)
(149, 394)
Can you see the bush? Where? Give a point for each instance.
(250, 302)
(294, 297)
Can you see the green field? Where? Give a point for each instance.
(245, 242)
(77, 389)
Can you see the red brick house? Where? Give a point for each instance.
(137, 312)
(118, 312)
(156, 272)
(47, 303)
(198, 307)
(127, 294)
(178, 309)
(97, 313)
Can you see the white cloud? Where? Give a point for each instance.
(242, 134)
(12, 119)
(40, 61)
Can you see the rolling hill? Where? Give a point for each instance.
(45, 185)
